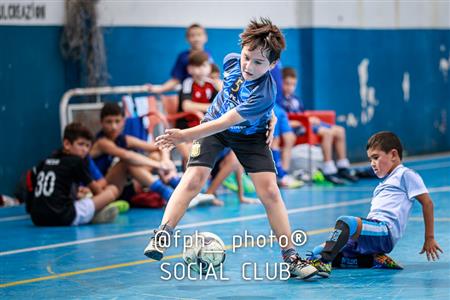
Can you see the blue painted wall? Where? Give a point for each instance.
(33, 77)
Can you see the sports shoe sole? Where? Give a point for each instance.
(154, 254)
(323, 274)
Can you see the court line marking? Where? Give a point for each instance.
(215, 222)
(185, 226)
(14, 218)
(435, 219)
(123, 265)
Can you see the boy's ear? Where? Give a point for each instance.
(189, 69)
(66, 144)
(394, 153)
(273, 64)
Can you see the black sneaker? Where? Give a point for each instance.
(333, 178)
(347, 174)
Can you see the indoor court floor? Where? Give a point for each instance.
(107, 261)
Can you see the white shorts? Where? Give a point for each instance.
(85, 210)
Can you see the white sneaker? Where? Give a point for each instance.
(157, 245)
(300, 268)
(201, 199)
(107, 215)
(288, 181)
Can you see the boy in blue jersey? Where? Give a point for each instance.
(197, 38)
(238, 118)
(363, 241)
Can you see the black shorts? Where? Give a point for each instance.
(251, 150)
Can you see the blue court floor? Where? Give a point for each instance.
(107, 262)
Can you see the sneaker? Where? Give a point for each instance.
(346, 173)
(323, 269)
(201, 199)
(290, 182)
(122, 205)
(249, 187)
(382, 261)
(334, 179)
(230, 183)
(158, 245)
(300, 268)
(107, 215)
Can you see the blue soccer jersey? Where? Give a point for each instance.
(253, 100)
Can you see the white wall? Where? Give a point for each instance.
(235, 14)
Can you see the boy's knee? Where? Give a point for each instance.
(350, 221)
(196, 178)
(338, 131)
(269, 191)
(289, 139)
(326, 133)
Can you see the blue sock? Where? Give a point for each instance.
(174, 181)
(159, 187)
(277, 159)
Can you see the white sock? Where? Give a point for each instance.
(343, 163)
(329, 167)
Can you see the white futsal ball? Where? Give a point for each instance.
(204, 251)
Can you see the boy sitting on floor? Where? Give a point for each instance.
(56, 183)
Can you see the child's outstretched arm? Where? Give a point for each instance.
(430, 246)
(173, 137)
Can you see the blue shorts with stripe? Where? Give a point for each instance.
(374, 238)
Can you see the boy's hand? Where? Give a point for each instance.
(170, 139)
(154, 88)
(431, 247)
(314, 120)
(271, 129)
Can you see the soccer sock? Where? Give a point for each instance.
(278, 164)
(343, 163)
(174, 181)
(167, 228)
(287, 253)
(344, 228)
(329, 167)
(159, 187)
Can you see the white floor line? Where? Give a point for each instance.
(192, 225)
(15, 218)
(198, 224)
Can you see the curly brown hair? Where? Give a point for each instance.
(264, 34)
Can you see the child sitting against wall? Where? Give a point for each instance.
(54, 202)
(333, 136)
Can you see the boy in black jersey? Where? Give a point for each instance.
(56, 183)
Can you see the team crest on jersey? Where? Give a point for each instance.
(195, 150)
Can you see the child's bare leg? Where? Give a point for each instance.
(108, 195)
(117, 176)
(327, 143)
(269, 194)
(142, 175)
(338, 133)
(289, 139)
(190, 185)
(229, 164)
